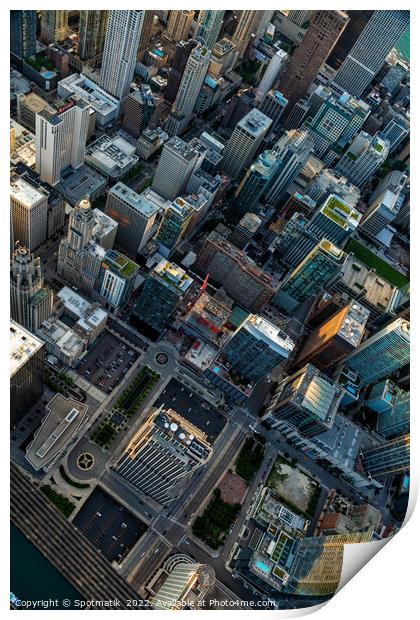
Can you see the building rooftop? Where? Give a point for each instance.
(255, 122)
(25, 193)
(367, 284)
(63, 417)
(147, 203)
(182, 148)
(75, 184)
(270, 334)
(104, 223)
(113, 155)
(96, 97)
(33, 102)
(317, 393)
(120, 264)
(88, 312)
(340, 212)
(58, 333)
(200, 354)
(173, 275)
(354, 323)
(23, 345)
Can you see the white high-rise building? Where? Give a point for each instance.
(189, 89)
(363, 157)
(244, 142)
(209, 24)
(176, 165)
(273, 70)
(61, 136)
(120, 51)
(29, 211)
(369, 52)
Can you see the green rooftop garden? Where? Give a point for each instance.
(371, 260)
(39, 62)
(378, 147)
(351, 156)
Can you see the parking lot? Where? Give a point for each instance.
(196, 410)
(107, 362)
(110, 527)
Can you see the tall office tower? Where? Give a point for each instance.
(336, 338)
(308, 399)
(293, 150)
(300, 17)
(179, 25)
(393, 407)
(340, 51)
(146, 32)
(223, 58)
(136, 215)
(54, 26)
(248, 25)
(26, 371)
(383, 353)
(209, 25)
(173, 226)
(264, 22)
(396, 130)
(257, 347)
(244, 142)
(368, 54)
(316, 569)
(246, 228)
(335, 219)
(275, 65)
(317, 269)
(22, 33)
(273, 106)
(241, 278)
(306, 61)
(92, 29)
(116, 279)
(120, 51)
(184, 585)
(182, 53)
(29, 213)
(79, 257)
(139, 107)
(176, 164)
(31, 303)
(255, 181)
(163, 455)
(336, 122)
(296, 115)
(391, 457)
(384, 204)
(362, 158)
(160, 294)
(61, 139)
(192, 79)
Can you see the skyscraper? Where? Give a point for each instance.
(54, 26)
(336, 338)
(255, 181)
(22, 33)
(182, 53)
(26, 371)
(362, 158)
(29, 213)
(160, 294)
(275, 65)
(116, 279)
(383, 353)
(61, 136)
(146, 32)
(308, 399)
(79, 257)
(257, 347)
(209, 24)
(391, 457)
(244, 142)
(368, 54)
(273, 106)
(183, 583)
(120, 51)
(189, 89)
(179, 25)
(358, 20)
(292, 151)
(136, 215)
(248, 25)
(316, 270)
(31, 303)
(306, 61)
(163, 454)
(92, 28)
(173, 226)
(176, 165)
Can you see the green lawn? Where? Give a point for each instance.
(60, 502)
(104, 435)
(382, 268)
(73, 483)
(213, 525)
(249, 459)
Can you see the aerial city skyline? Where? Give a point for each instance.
(209, 303)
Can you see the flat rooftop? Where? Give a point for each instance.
(262, 329)
(173, 275)
(200, 354)
(23, 345)
(255, 122)
(361, 279)
(25, 193)
(340, 212)
(63, 417)
(76, 184)
(147, 203)
(96, 97)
